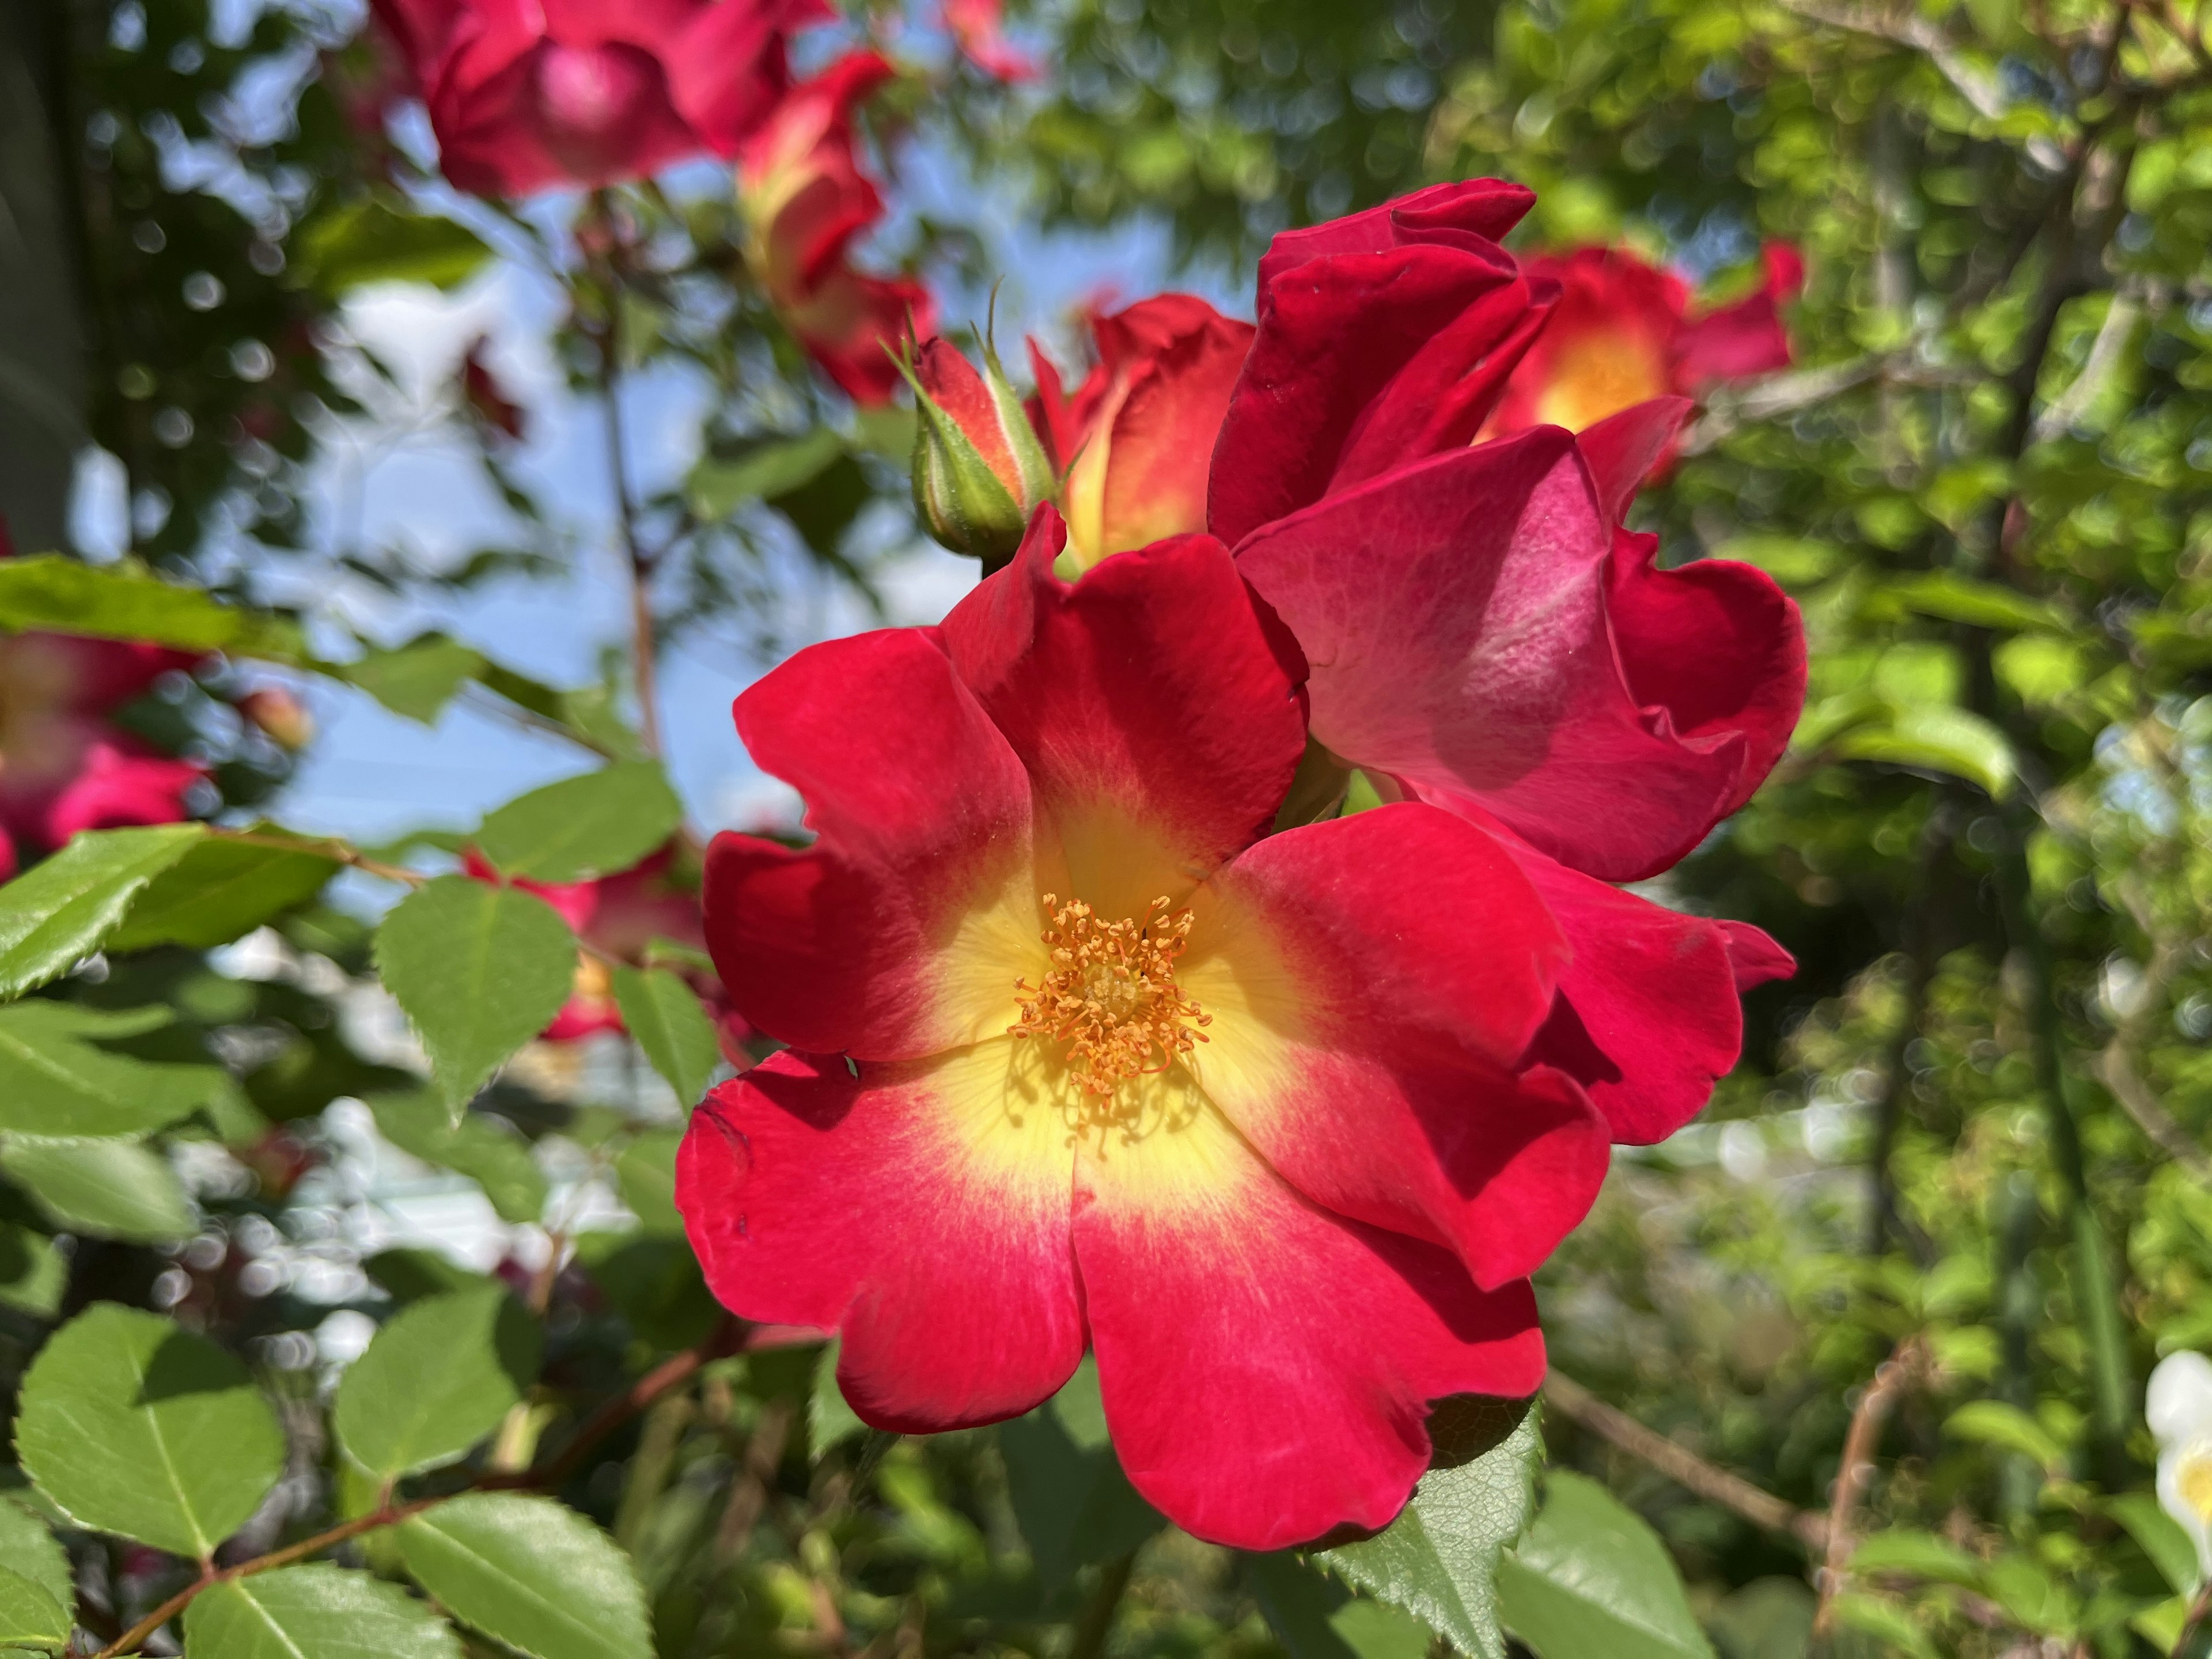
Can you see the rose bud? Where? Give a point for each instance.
(280, 715)
(979, 471)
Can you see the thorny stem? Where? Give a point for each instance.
(1682, 1466)
(642, 646)
(1855, 1474)
(669, 1374)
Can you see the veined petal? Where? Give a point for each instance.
(901, 930)
(1267, 1366)
(1157, 688)
(920, 1209)
(1648, 1016)
(1454, 612)
(1372, 983)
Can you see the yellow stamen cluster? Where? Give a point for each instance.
(1111, 996)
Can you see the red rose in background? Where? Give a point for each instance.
(527, 93)
(618, 916)
(807, 198)
(1139, 430)
(65, 766)
(1621, 332)
(1244, 1112)
(976, 27)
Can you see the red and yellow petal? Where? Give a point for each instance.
(1372, 983)
(901, 930)
(921, 1210)
(1265, 1366)
(1155, 691)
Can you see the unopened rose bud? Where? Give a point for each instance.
(979, 471)
(280, 715)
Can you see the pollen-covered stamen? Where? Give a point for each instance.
(1110, 995)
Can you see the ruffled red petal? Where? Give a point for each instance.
(886, 1207)
(1156, 690)
(1267, 1367)
(1456, 613)
(1382, 339)
(1377, 980)
(1717, 647)
(921, 814)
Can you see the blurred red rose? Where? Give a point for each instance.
(590, 92)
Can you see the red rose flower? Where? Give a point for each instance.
(1245, 1112)
(65, 766)
(976, 27)
(1137, 434)
(1621, 333)
(590, 92)
(800, 182)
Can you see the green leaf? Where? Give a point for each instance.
(487, 1150)
(135, 1426)
(1591, 1577)
(62, 910)
(29, 1548)
(532, 1574)
(582, 828)
(376, 240)
(221, 891)
(409, 1275)
(1074, 1504)
(30, 1615)
(1438, 1560)
(480, 969)
(2162, 1624)
(1885, 1621)
(1767, 1618)
(109, 1188)
(54, 1082)
(663, 1013)
(717, 488)
(415, 680)
(127, 601)
(319, 1612)
(1917, 1555)
(1950, 597)
(1995, 1423)
(436, 1380)
(829, 1416)
(645, 1175)
(2025, 1590)
(2161, 1537)
(34, 1271)
(1937, 738)
(1313, 1619)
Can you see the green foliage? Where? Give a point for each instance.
(1075, 1506)
(1590, 1577)
(58, 913)
(30, 1615)
(135, 1426)
(373, 239)
(436, 1380)
(663, 1013)
(1439, 1559)
(220, 890)
(127, 602)
(536, 1576)
(585, 827)
(54, 1081)
(315, 1613)
(108, 1188)
(480, 969)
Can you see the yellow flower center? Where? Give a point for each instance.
(2196, 1483)
(1110, 996)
